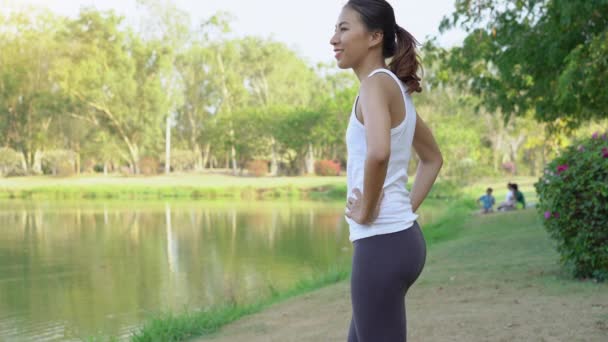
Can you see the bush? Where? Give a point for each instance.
(573, 199)
(257, 168)
(59, 162)
(148, 166)
(10, 162)
(182, 160)
(65, 168)
(327, 168)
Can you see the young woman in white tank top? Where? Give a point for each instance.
(389, 250)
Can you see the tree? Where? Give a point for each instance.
(29, 99)
(544, 56)
(117, 78)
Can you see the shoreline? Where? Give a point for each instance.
(208, 187)
(186, 325)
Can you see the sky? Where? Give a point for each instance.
(304, 25)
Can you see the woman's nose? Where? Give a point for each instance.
(334, 39)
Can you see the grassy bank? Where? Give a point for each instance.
(178, 327)
(207, 186)
(213, 186)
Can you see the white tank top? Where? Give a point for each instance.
(395, 209)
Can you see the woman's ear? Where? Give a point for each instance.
(376, 38)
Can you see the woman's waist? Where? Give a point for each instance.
(388, 219)
(393, 187)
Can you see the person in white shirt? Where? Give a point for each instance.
(389, 248)
(509, 203)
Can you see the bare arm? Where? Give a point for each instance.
(376, 115)
(430, 163)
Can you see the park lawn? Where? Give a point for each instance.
(218, 186)
(206, 186)
(498, 280)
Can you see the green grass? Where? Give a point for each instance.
(207, 186)
(177, 327)
(212, 186)
(505, 248)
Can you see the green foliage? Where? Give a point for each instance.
(182, 160)
(573, 197)
(10, 162)
(59, 162)
(545, 56)
(29, 99)
(104, 90)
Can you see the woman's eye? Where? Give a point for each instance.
(343, 29)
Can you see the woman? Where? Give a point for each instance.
(389, 249)
(509, 203)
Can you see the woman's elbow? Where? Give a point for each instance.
(435, 160)
(379, 156)
(440, 160)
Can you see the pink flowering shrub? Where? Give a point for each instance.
(573, 200)
(327, 168)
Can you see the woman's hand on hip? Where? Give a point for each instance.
(355, 209)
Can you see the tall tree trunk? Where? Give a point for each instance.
(497, 152)
(168, 146)
(205, 156)
(134, 154)
(274, 165)
(77, 161)
(310, 160)
(37, 162)
(24, 164)
(226, 96)
(233, 152)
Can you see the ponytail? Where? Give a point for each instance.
(406, 62)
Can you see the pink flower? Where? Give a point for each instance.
(556, 215)
(547, 215)
(562, 168)
(605, 152)
(604, 137)
(595, 135)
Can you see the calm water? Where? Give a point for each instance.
(69, 270)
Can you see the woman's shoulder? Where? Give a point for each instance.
(380, 84)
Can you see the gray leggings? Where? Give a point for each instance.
(384, 268)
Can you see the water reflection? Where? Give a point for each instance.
(75, 269)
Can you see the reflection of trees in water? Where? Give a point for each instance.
(104, 264)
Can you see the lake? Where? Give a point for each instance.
(74, 269)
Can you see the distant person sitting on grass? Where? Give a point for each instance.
(519, 196)
(487, 201)
(509, 203)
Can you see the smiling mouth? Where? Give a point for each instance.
(338, 53)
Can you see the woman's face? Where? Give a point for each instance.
(351, 39)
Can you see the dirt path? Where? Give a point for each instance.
(485, 289)
(450, 313)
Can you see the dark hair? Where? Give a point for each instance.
(489, 190)
(398, 43)
(515, 186)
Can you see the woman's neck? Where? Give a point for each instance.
(367, 66)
